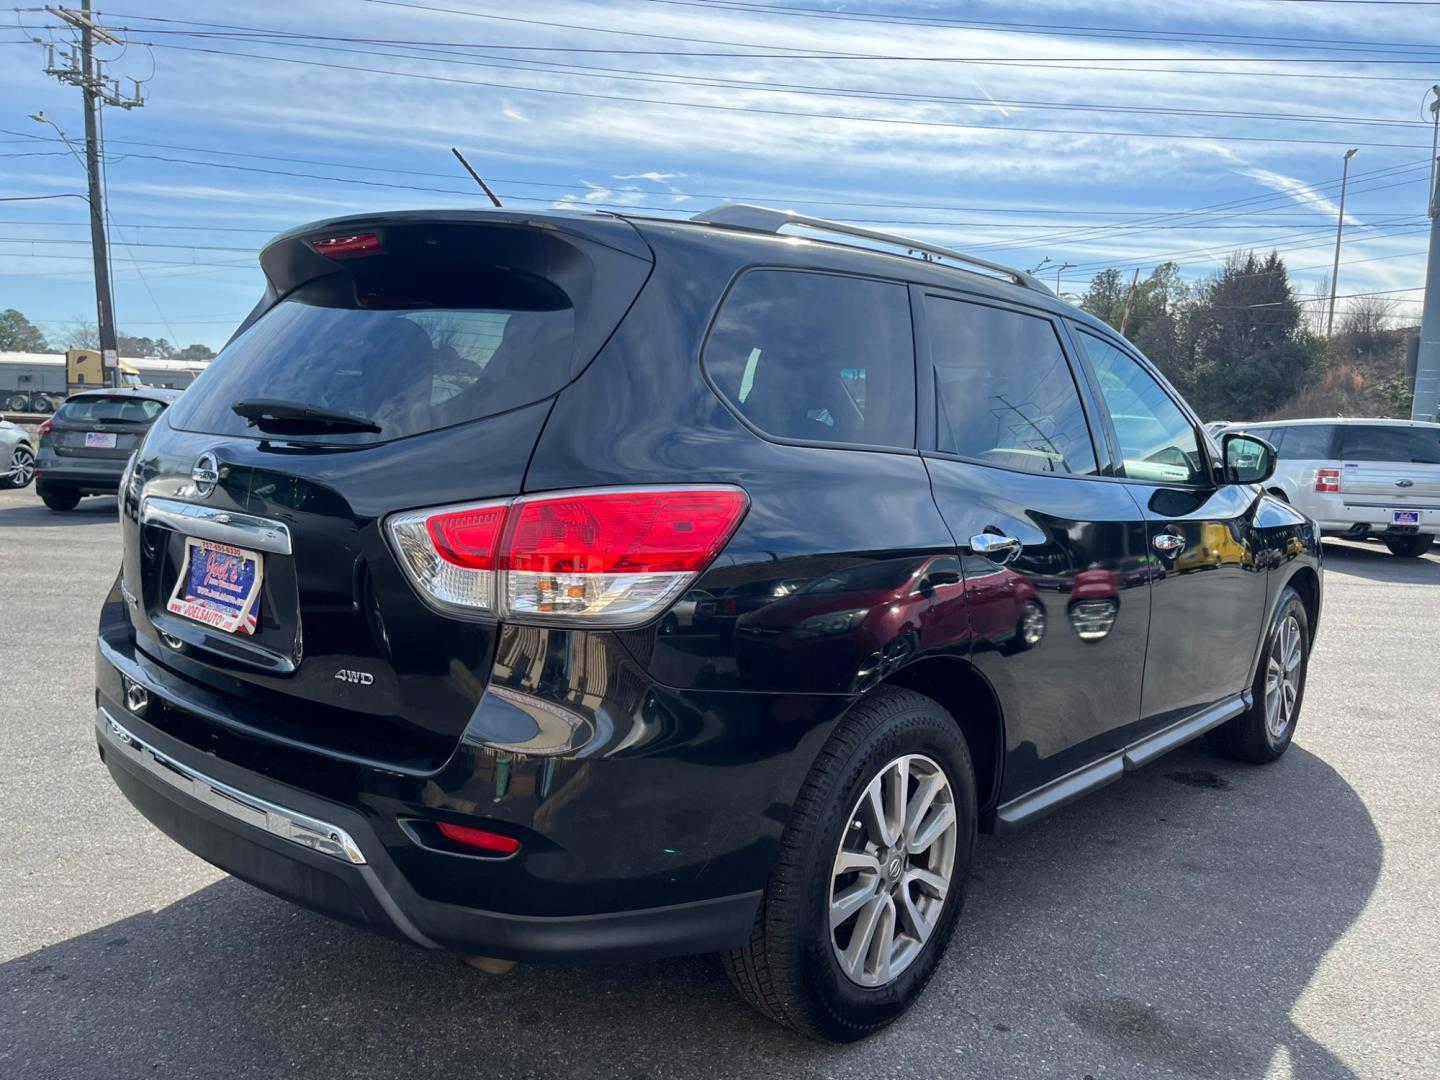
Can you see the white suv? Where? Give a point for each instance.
(1360, 478)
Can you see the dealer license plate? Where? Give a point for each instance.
(219, 586)
(100, 440)
(1407, 517)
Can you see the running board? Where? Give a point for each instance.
(1050, 797)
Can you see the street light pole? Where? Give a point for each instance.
(1339, 229)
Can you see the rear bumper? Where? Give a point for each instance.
(100, 478)
(336, 865)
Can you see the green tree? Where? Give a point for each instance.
(1105, 298)
(195, 352)
(143, 346)
(19, 334)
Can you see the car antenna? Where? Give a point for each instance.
(484, 186)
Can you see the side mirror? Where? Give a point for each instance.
(1248, 459)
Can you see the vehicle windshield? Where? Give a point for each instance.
(110, 410)
(1391, 442)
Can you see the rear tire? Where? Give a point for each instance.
(59, 498)
(1263, 732)
(1410, 547)
(17, 403)
(909, 891)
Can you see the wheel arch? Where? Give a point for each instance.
(957, 687)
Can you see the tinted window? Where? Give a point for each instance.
(1308, 442)
(1388, 442)
(427, 356)
(1157, 441)
(1004, 391)
(817, 357)
(110, 410)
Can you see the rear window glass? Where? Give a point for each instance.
(817, 357)
(1385, 442)
(415, 359)
(110, 410)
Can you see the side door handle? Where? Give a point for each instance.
(1168, 543)
(998, 549)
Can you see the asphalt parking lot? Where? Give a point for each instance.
(1200, 918)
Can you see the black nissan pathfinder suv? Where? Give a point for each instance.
(538, 585)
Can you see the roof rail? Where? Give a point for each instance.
(765, 219)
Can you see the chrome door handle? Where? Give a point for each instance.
(998, 549)
(1169, 544)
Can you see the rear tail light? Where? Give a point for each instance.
(348, 247)
(43, 429)
(1327, 480)
(590, 558)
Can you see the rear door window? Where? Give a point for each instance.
(110, 410)
(1308, 442)
(817, 357)
(411, 356)
(1004, 392)
(1390, 442)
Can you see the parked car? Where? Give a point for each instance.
(1360, 478)
(17, 456)
(390, 635)
(85, 445)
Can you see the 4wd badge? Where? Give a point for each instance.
(359, 678)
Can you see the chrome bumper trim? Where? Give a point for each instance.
(211, 523)
(289, 825)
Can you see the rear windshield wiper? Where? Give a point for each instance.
(279, 417)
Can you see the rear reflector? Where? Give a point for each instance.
(1327, 480)
(593, 558)
(347, 247)
(481, 839)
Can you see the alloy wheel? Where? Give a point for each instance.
(892, 870)
(1283, 676)
(22, 467)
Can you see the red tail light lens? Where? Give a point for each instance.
(481, 839)
(468, 538)
(1327, 480)
(630, 532)
(594, 558)
(348, 247)
(44, 429)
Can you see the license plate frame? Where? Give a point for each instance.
(1405, 517)
(219, 586)
(99, 440)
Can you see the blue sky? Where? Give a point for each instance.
(294, 111)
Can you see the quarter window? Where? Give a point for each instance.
(817, 357)
(1157, 441)
(1004, 393)
(1308, 442)
(1391, 442)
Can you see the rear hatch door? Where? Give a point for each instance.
(1390, 465)
(102, 427)
(449, 335)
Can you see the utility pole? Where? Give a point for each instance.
(81, 68)
(1062, 266)
(1129, 302)
(1426, 401)
(1339, 229)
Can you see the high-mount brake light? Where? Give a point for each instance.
(1328, 481)
(612, 558)
(347, 247)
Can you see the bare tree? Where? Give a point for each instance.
(82, 334)
(1367, 317)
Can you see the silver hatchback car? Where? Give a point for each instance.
(1360, 478)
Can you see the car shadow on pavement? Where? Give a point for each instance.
(1374, 562)
(96, 510)
(1166, 926)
